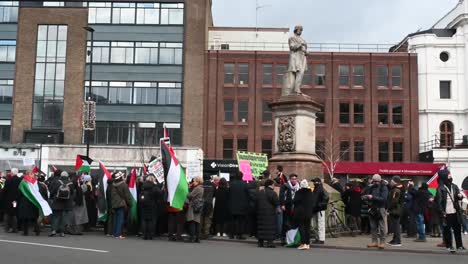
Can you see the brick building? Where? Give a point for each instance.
(370, 102)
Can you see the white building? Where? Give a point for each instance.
(443, 89)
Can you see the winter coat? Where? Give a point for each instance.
(287, 193)
(121, 197)
(195, 196)
(353, 202)
(238, 198)
(26, 210)
(442, 199)
(149, 198)
(337, 186)
(396, 200)
(267, 203)
(421, 201)
(221, 210)
(253, 189)
(208, 194)
(321, 198)
(11, 193)
(59, 204)
(304, 204)
(379, 196)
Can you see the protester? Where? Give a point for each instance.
(238, 205)
(10, 196)
(121, 200)
(109, 225)
(303, 210)
(27, 213)
(207, 213)
(352, 199)
(221, 211)
(148, 200)
(79, 214)
(62, 193)
(335, 184)
(321, 198)
(2, 185)
(409, 217)
(420, 206)
(286, 197)
(395, 206)
(195, 209)
(90, 200)
(280, 179)
(447, 199)
(377, 196)
(251, 224)
(267, 206)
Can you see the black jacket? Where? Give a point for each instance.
(208, 194)
(353, 202)
(148, 199)
(267, 203)
(396, 199)
(238, 198)
(11, 193)
(286, 196)
(57, 204)
(441, 198)
(303, 204)
(379, 195)
(221, 210)
(421, 201)
(321, 198)
(26, 209)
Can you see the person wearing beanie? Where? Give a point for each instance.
(377, 195)
(121, 199)
(62, 193)
(421, 203)
(395, 206)
(448, 199)
(10, 194)
(286, 197)
(303, 212)
(320, 198)
(207, 214)
(267, 203)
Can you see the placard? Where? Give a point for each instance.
(244, 167)
(156, 168)
(224, 175)
(258, 161)
(193, 169)
(29, 162)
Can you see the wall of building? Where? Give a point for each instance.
(456, 160)
(248, 39)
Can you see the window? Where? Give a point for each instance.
(228, 110)
(344, 150)
(396, 75)
(170, 94)
(358, 113)
(99, 92)
(446, 134)
(50, 3)
(281, 71)
(170, 53)
(243, 111)
(229, 73)
(4, 133)
(101, 52)
(145, 93)
(8, 11)
(321, 114)
(49, 76)
(146, 52)
(267, 147)
(358, 150)
(146, 134)
(319, 72)
(320, 148)
(242, 144)
(344, 113)
(123, 13)
(383, 152)
(7, 50)
(343, 74)
(397, 114)
(383, 114)
(307, 80)
(122, 52)
(358, 75)
(267, 115)
(147, 13)
(444, 56)
(243, 74)
(113, 133)
(99, 13)
(382, 75)
(120, 93)
(172, 14)
(6, 91)
(267, 74)
(397, 151)
(228, 148)
(445, 87)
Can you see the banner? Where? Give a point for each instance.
(156, 168)
(193, 170)
(246, 169)
(258, 161)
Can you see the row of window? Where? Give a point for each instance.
(4, 134)
(7, 50)
(130, 133)
(140, 93)
(273, 74)
(355, 150)
(231, 146)
(111, 12)
(349, 113)
(136, 52)
(6, 91)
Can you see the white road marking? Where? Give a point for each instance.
(53, 246)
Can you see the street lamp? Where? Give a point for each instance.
(89, 99)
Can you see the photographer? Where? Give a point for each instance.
(377, 196)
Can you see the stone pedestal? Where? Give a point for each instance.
(294, 142)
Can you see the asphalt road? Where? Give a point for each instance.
(96, 248)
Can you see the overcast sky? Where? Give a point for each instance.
(350, 21)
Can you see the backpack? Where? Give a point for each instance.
(64, 191)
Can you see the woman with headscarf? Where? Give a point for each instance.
(267, 206)
(303, 211)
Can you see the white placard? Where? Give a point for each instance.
(193, 169)
(156, 168)
(224, 175)
(29, 162)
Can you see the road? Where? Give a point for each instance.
(96, 248)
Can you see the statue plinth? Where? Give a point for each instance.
(294, 142)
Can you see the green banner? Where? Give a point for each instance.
(258, 161)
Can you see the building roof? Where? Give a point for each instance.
(254, 29)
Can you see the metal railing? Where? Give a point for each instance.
(313, 47)
(437, 144)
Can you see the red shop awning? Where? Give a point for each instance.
(386, 168)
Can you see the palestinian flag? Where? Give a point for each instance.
(83, 164)
(30, 189)
(133, 214)
(293, 238)
(102, 203)
(433, 183)
(176, 182)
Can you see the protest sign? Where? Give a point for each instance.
(258, 161)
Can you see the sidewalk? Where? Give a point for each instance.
(360, 243)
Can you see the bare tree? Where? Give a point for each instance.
(330, 153)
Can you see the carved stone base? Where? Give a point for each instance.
(306, 166)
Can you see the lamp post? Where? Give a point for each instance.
(90, 54)
(448, 157)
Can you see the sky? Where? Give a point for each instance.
(337, 21)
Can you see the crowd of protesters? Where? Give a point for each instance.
(266, 208)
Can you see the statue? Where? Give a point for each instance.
(297, 63)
